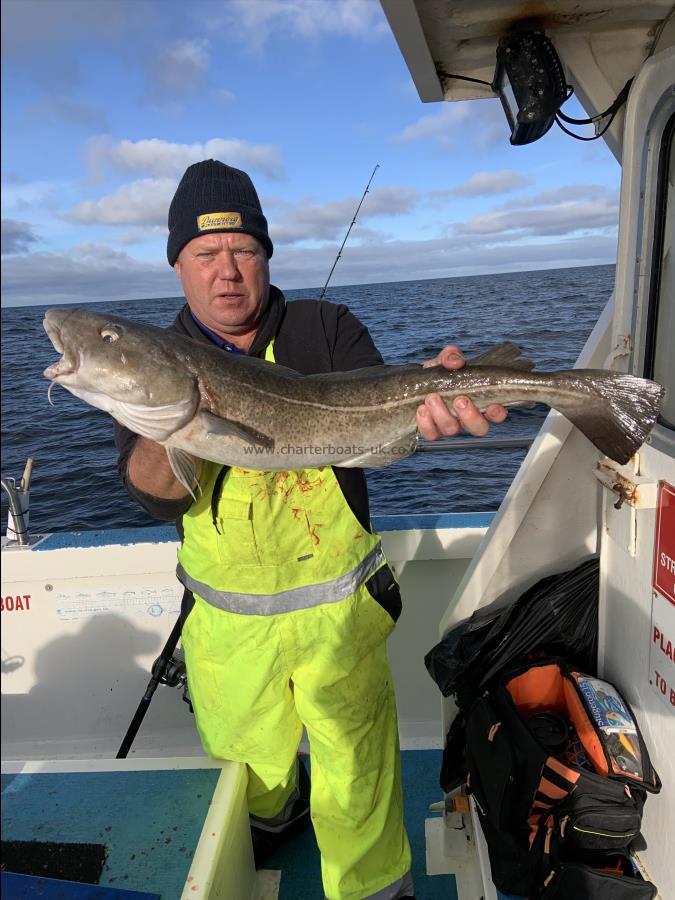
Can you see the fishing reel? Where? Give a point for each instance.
(173, 673)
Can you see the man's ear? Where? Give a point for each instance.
(177, 267)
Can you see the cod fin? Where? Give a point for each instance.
(214, 426)
(183, 467)
(155, 422)
(506, 355)
(383, 454)
(616, 412)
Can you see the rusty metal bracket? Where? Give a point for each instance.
(635, 490)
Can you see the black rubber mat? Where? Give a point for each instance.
(70, 862)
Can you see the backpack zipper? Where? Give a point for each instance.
(608, 834)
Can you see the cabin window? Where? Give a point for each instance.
(661, 326)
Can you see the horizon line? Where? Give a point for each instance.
(316, 288)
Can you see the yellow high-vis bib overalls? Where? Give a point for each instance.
(294, 602)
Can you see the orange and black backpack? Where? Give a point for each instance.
(559, 772)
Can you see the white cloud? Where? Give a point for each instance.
(21, 196)
(16, 236)
(438, 258)
(159, 158)
(438, 126)
(259, 19)
(569, 192)
(30, 24)
(143, 202)
(91, 272)
(12, 178)
(39, 36)
(64, 108)
(93, 253)
(96, 271)
(224, 98)
(176, 71)
(480, 121)
(555, 219)
(306, 221)
(489, 123)
(142, 235)
(482, 183)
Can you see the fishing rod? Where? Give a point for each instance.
(482, 443)
(323, 291)
(169, 669)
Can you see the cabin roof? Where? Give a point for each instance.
(460, 37)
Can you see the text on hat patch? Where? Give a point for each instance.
(219, 220)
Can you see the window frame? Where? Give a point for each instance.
(663, 196)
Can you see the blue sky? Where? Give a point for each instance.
(106, 102)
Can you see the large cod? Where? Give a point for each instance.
(241, 411)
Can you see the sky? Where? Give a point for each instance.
(106, 102)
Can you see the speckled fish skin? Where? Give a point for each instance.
(243, 411)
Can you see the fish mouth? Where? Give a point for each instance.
(69, 362)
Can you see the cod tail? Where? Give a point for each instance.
(615, 412)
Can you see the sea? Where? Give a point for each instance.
(75, 485)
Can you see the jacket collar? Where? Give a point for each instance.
(268, 328)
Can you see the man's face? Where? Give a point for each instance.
(226, 280)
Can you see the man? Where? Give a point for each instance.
(289, 600)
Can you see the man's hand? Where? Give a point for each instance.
(149, 471)
(435, 420)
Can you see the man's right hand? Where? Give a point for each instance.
(149, 471)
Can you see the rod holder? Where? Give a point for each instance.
(18, 496)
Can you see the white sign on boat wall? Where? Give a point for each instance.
(630, 608)
(661, 664)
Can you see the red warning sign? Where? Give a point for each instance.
(664, 542)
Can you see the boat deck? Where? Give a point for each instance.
(149, 823)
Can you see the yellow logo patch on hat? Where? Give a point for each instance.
(211, 221)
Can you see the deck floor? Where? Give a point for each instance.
(150, 822)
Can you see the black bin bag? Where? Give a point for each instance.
(557, 616)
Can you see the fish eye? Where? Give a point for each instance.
(111, 333)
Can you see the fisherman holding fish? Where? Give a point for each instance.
(288, 598)
(292, 599)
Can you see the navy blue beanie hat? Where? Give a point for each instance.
(214, 197)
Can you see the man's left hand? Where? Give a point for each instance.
(435, 420)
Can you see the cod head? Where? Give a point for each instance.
(124, 368)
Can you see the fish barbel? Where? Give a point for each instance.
(241, 411)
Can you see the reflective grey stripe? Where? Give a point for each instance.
(286, 601)
(288, 815)
(286, 818)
